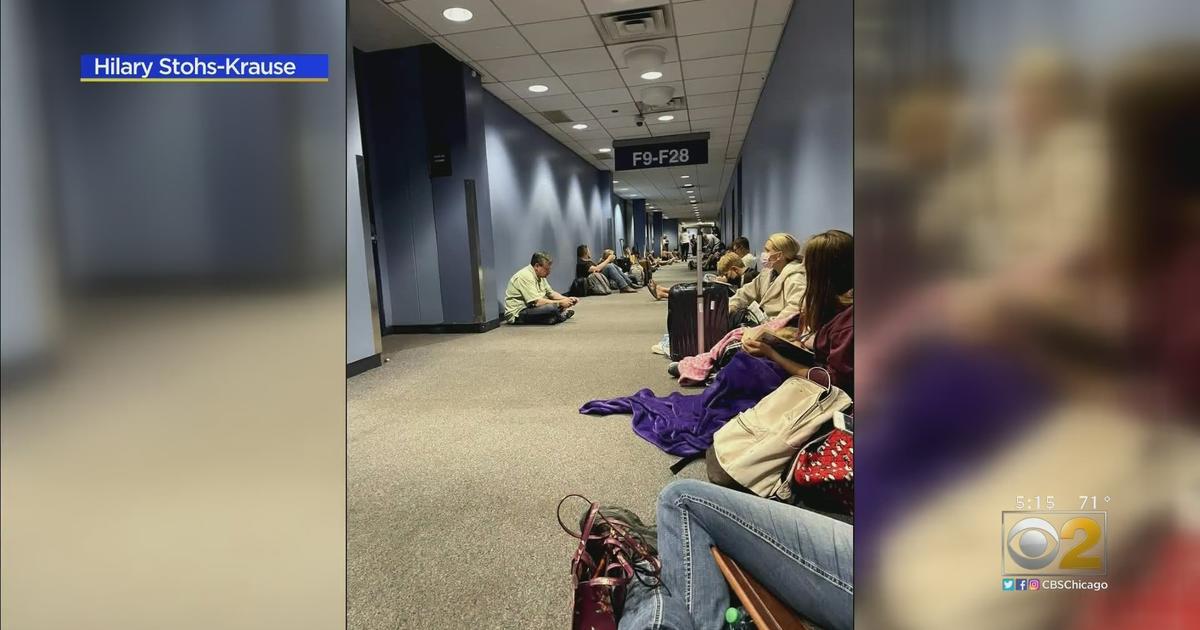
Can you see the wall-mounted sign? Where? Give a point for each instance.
(439, 161)
(661, 151)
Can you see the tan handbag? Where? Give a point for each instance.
(758, 444)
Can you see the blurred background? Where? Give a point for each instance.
(1027, 187)
(173, 323)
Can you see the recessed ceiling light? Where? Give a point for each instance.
(652, 75)
(685, 177)
(538, 88)
(579, 126)
(688, 185)
(666, 117)
(616, 181)
(457, 14)
(604, 150)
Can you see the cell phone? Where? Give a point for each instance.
(789, 351)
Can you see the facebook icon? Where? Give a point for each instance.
(1022, 584)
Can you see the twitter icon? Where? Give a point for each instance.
(1008, 584)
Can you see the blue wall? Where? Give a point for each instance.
(656, 224)
(798, 159)
(543, 197)
(394, 138)
(639, 225)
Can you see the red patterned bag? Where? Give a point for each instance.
(823, 474)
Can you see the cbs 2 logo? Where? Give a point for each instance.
(1034, 542)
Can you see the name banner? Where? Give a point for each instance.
(204, 68)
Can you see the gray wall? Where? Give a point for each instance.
(797, 159)
(543, 197)
(360, 333)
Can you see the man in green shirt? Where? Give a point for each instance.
(529, 298)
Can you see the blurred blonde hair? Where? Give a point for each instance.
(729, 260)
(785, 244)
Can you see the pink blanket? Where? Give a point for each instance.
(694, 370)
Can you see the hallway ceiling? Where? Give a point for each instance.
(718, 53)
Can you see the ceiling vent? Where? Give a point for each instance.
(556, 116)
(636, 25)
(675, 104)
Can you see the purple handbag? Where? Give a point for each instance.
(602, 567)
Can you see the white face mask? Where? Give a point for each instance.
(765, 259)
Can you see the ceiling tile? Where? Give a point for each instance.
(670, 73)
(607, 6)
(561, 34)
(521, 87)
(618, 122)
(491, 44)
(590, 135)
(517, 68)
(579, 113)
(591, 81)
(758, 62)
(715, 44)
(748, 96)
(753, 81)
(618, 50)
(701, 113)
(605, 97)
(525, 11)
(666, 129)
(764, 38)
(520, 106)
(706, 16)
(771, 12)
(591, 123)
(548, 103)
(715, 67)
(714, 125)
(710, 85)
(579, 61)
(616, 109)
(743, 109)
(501, 91)
(430, 11)
(712, 100)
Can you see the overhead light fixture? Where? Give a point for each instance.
(666, 117)
(685, 177)
(604, 150)
(457, 14)
(579, 126)
(537, 87)
(646, 59)
(657, 95)
(616, 181)
(652, 75)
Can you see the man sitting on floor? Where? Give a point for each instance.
(616, 278)
(529, 298)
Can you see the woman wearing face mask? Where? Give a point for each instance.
(779, 287)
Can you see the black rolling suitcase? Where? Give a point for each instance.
(681, 318)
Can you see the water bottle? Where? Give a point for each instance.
(738, 619)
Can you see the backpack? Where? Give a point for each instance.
(597, 284)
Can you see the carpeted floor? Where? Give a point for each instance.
(461, 446)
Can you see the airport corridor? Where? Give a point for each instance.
(464, 444)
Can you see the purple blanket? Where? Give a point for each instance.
(684, 425)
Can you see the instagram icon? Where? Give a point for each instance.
(1035, 584)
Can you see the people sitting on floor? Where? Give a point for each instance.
(687, 588)
(606, 270)
(741, 247)
(780, 283)
(529, 299)
(826, 317)
(637, 270)
(729, 273)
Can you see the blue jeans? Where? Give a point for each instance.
(616, 277)
(544, 314)
(805, 559)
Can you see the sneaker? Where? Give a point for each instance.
(565, 315)
(673, 369)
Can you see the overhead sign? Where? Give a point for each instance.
(661, 151)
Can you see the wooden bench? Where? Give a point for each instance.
(764, 608)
